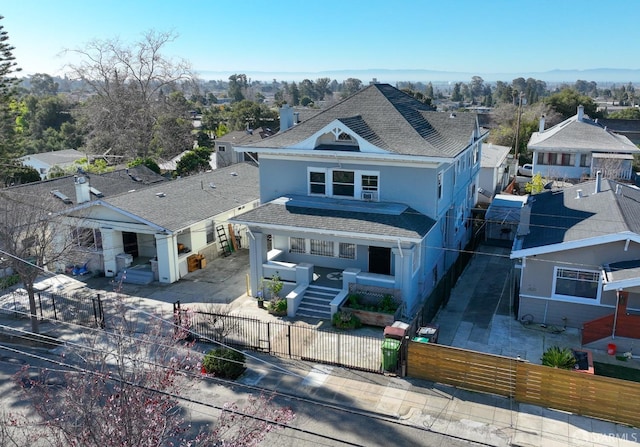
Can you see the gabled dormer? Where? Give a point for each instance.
(344, 135)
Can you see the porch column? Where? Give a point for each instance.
(167, 254)
(403, 261)
(112, 246)
(257, 257)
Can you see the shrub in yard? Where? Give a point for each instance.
(345, 320)
(277, 306)
(224, 362)
(558, 357)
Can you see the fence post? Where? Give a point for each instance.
(53, 302)
(101, 310)
(269, 337)
(177, 317)
(289, 338)
(40, 305)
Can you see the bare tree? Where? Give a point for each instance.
(128, 391)
(30, 240)
(129, 85)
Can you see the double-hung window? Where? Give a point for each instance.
(575, 283)
(317, 182)
(343, 183)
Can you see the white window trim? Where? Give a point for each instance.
(575, 299)
(328, 182)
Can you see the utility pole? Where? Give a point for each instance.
(517, 161)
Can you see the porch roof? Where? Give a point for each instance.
(621, 275)
(373, 220)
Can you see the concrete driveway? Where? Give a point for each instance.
(479, 315)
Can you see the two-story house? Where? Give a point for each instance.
(376, 190)
(578, 148)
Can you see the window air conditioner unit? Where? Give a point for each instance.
(369, 195)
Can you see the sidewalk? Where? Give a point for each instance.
(477, 417)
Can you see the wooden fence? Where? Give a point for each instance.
(584, 394)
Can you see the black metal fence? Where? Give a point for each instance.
(297, 341)
(80, 308)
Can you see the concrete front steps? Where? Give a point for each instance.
(316, 302)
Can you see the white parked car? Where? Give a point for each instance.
(526, 170)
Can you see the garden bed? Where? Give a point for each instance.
(374, 306)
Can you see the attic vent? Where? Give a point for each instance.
(453, 115)
(212, 185)
(234, 174)
(62, 197)
(95, 192)
(160, 194)
(135, 178)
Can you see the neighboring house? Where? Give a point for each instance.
(43, 162)
(164, 224)
(578, 148)
(135, 216)
(226, 155)
(494, 171)
(577, 248)
(375, 191)
(628, 128)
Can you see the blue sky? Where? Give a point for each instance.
(310, 36)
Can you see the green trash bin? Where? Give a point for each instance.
(390, 349)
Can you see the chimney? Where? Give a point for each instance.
(82, 189)
(286, 117)
(541, 128)
(598, 182)
(580, 112)
(619, 189)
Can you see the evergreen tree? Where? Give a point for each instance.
(8, 67)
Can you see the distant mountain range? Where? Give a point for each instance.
(599, 75)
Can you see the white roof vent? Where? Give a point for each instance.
(579, 194)
(161, 194)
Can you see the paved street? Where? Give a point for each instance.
(354, 408)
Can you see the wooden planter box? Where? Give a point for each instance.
(370, 295)
(370, 318)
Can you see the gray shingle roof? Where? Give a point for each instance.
(336, 217)
(389, 119)
(109, 184)
(179, 203)
(581, 136)
(560, 216)
(63, 157)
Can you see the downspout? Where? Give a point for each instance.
(615, 315)
(400, 249)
